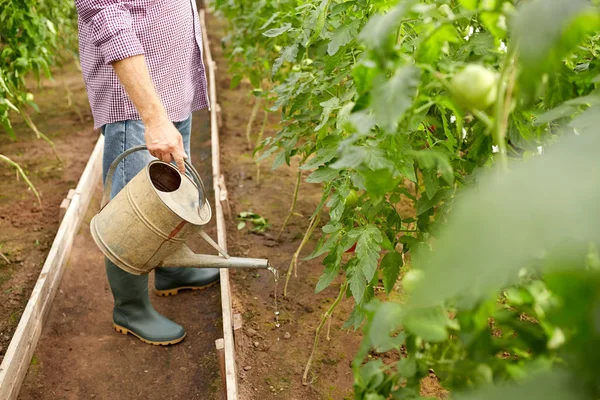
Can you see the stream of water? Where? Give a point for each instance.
(276, 278)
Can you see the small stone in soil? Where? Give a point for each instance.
(272, 388)
(250, 332)
(247, 368)
(256, 344)
(287, 335)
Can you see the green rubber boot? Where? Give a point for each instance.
(133, 312)
(169, 281)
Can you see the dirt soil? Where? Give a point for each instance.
(26, 229)
(271, 360)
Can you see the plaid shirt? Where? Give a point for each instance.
(167, 32)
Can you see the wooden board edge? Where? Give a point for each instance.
(24, 341)
(226, 300)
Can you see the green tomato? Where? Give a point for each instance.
(475, 87)
(351, 200)
(411, 279)
(277, 48)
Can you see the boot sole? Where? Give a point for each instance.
(173, 292)
(125, 331)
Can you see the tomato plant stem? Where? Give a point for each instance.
(294, 263)
(251, 121)
(324, 319)
(23, 175)
(40, 135)
(293, 206)
(258, 140)
(502, 108)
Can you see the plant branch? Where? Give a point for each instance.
(326, 316)
(293, 206)
(502, 108)
(294, 263)
(40, 135)
(258, 140)
(251, 120)
(23, 175)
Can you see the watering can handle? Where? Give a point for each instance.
(113, 167)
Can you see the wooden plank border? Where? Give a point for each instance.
(22, 346)
(231, 389)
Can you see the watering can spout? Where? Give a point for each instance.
(184, 257)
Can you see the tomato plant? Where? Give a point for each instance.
(29, 43)
(410, 103)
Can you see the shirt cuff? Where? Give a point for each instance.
(123, 45)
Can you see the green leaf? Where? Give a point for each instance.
(51, 27)
(358, 283)
(328, 106)
(376, 33)
(407, 367)
(528, 192)
(429, 324)
(469, 4)
(391, 98)
(322, 156)
(317, 22)
(425, 203)
(323, 174)
(278, 31)
(380, 181)
(331, 272)
(431, 49)
(435, 159)
(390, 264)
(555, 385)
(560, 25)
(432, 184)
(269, 21)
(289, 54)
(342, 36)
(367, 250)
(10, 105)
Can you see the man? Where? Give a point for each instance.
(142, 66)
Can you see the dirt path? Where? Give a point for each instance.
(26, 229)
(79, 355)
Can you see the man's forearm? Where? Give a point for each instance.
(135, 78)
(163, 140)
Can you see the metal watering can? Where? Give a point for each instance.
(146, 224)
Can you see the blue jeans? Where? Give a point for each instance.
(123, 135)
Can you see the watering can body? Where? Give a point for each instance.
(146, 224)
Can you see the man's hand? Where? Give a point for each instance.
(165, 142)
(162, 138)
